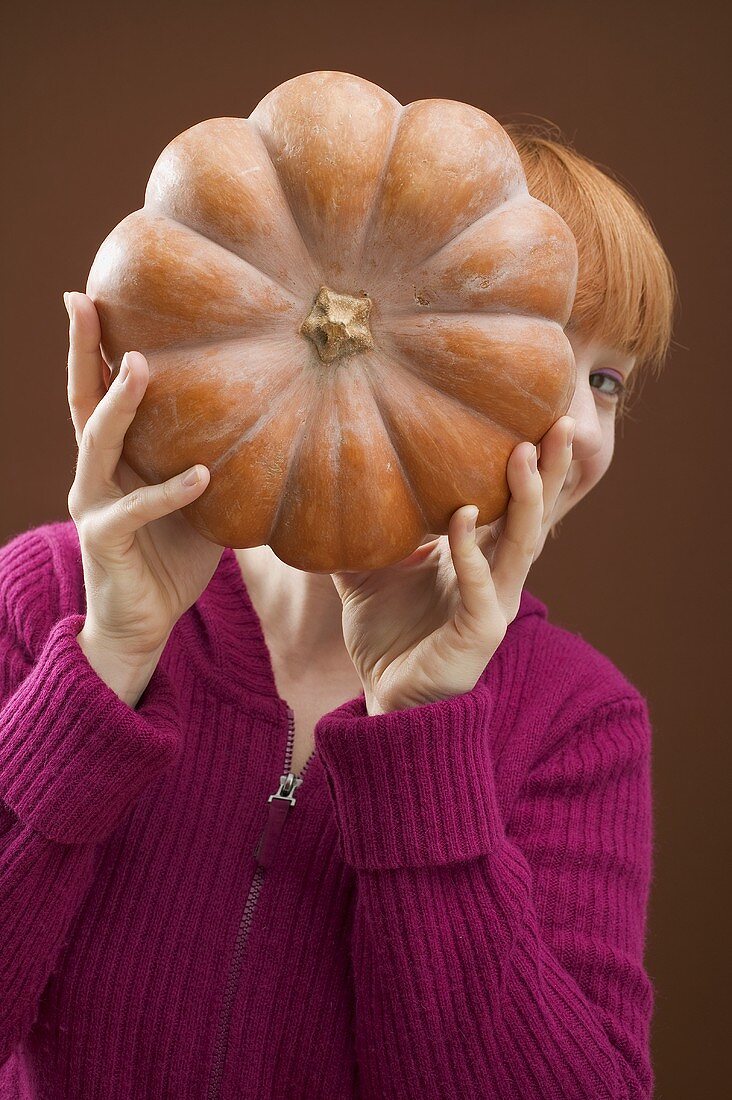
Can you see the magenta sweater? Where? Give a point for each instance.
(451, 904)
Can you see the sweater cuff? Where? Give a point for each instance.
(73, 756)
(413, 787)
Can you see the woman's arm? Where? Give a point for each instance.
(73, 757)
(495, 959)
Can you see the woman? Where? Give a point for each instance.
(446, 896)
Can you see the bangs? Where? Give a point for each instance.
(626, 287)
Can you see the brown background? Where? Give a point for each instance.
(93, 93)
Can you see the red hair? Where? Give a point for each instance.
(626, 287)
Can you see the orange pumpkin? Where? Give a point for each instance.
(352, 311)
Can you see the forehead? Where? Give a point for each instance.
(594, 351)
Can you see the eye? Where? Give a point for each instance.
(616, 389)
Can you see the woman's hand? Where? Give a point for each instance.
(144, 565)
(425, 628)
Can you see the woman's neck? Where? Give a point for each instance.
(301, 613)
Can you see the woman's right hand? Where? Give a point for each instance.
(144, 565)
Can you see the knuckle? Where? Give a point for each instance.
(72, 395)
(526, 546)
(497, 634)
(73, 502)
(89, 439)
(169, 493)
(523, 542)
(133, 503)
(477, 561)
(89, 528)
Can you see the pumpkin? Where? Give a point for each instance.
(352, 312)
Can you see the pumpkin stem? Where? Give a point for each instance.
(338, 324)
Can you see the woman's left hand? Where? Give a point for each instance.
(425, 628)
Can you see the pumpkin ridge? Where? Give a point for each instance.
(480, 162)
(292, 467)
(385, 421)
(534, 399)
(284, 396)
(379, 189)
(499, 310)
(194, 345)
(262, 136)
(403, 364)
(296, 302)
(437, 520)
(483, 217)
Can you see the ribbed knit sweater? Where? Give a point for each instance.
(451, 904)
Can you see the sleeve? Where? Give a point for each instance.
(490, 957)
(73, 758)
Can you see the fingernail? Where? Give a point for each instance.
(191, 477)
(470, 520)
(124, 369)
(531, 459)
(570, 435)
(67, 303)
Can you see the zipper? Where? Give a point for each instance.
(279, 805)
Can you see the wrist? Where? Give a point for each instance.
(127, 675)
(373, 706)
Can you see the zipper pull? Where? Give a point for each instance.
(279, 806)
